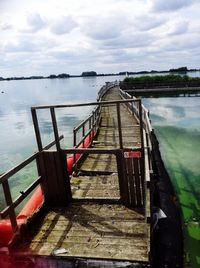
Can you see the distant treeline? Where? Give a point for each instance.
(181, 70)
(161, 78)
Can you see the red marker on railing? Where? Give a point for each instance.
(132, 154)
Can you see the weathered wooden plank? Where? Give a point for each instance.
(137, 182)
(88, 240)
(103, 179)
(91, 193)
(96, 250)
(148, 206)
(106, 229)
(130, 175)
(51, 180)
(63, 177)
(96, 230)
(96, 208)
(96, 164)
(90, 231)
(54, 179)
(95, 186)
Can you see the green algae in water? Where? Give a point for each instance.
(180, 149)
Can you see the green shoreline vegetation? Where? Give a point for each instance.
(171, 85)
(161, 78)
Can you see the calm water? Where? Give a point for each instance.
(177, 125)
(17, 140)
(175, 120)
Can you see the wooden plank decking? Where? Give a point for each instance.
(89, 230)
(108, 137)
(102, 187)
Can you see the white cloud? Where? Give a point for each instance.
(130, 41)
(106, 36)
(5, 26)
(178, 28)
(170, 5)
(63, 25)
(35, 22)
(149, 22)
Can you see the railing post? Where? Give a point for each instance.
(9, 202)
(122, 175)
(83, 133)
(93, 123)
(36, 128)
(55, 128)
(90, 126)
(119, 125)
(141, 124)
(143, 166)
(74, 137)
(55, 178)
(74, 141)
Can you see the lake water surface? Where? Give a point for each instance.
(177, 125)
(176, 122)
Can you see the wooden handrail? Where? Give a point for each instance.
(93, 122)
(96, 150)
(11, 205)
(83, 122)
(20, 198)
(17, 168)
(101, 103)
(14, 170)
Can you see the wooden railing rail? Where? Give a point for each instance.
(95, 118)
(84, 131)
(20, 198)
(96, 103)
(10, 204)
(6, 175)
(92, 119)
(105, 88)
(96, 150)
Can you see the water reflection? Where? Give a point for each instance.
(177, 125)
(17, 140)
(180, 111)
(17, 135)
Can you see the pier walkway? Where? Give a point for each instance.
(101, 211)
(99, 185)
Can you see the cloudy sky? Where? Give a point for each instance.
(71, 36)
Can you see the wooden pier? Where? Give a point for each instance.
(100, 212)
